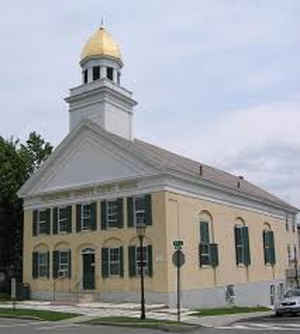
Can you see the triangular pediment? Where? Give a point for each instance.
(87, 158)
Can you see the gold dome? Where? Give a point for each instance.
(101, 44)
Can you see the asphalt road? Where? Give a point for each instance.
(285, 325)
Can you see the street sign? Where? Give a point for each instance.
(177, 244)
(13, 288)
(178, 259)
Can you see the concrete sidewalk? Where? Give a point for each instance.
(155, 311)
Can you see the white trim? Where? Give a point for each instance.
(145, 184)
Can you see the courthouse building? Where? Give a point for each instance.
(82, 207)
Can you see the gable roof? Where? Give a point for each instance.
(166, 161)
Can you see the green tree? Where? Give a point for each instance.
(18, 162)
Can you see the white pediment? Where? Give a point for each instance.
(88, 159)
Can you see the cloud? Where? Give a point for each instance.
(206, 74)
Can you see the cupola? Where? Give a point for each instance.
(101, 58)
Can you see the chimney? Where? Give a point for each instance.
(200, 170)
(239, 181)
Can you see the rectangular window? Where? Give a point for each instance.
(294, 223)
(110, 73)
(63, 263)
(96, 72)
(42, 221)
(287, 223)
(139, 258)
(289, 254)
(42, 264)
(85, 76)
(114, 261)
(85, 216)
(112, 214)
(140, 210)
(62, 219)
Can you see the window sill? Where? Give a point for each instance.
(206, 266)
(86, 231)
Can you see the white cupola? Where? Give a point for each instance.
(100, 97)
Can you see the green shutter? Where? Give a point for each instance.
(238, 241)
(272, 248)
(265, 243)
(48, 264)
(69, 219)
(104, 262)
(121, 262)
(204, 232)
(35, 265)
(130, 217)
(214, 255)
(148, 209)
(150, 260)
(55, 263)
(103, 215)
(54, 220)
(132, 261)
(78, 217)
(70, 263)
(247, 257)
(34, 222)
(120, 213)
(93, 220)
(48, 213)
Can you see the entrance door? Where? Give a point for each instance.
(88, 271)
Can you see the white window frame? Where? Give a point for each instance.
(63, 267)
(62, 220)
(42, 264)
(146, 260)
(112, 213)
(114, 262)
(39, 221)
(141, 211)
(85, 218)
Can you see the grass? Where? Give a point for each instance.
(35, 314)
(228, 310)
(166, 325)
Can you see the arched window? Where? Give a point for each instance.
(208, 251)
(241, 236)
(269, 246)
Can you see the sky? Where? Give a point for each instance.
(216, 80)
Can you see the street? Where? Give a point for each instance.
(285, 325)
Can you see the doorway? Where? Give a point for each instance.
(88, 269)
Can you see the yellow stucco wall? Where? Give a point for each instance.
(174, 217)
(183, 217)
(97, 239)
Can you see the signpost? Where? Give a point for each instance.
(178, 260)
(13, 292)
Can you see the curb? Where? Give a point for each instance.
(225, 320)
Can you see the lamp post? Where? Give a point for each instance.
(141, 231)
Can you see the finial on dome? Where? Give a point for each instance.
(102, 23)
